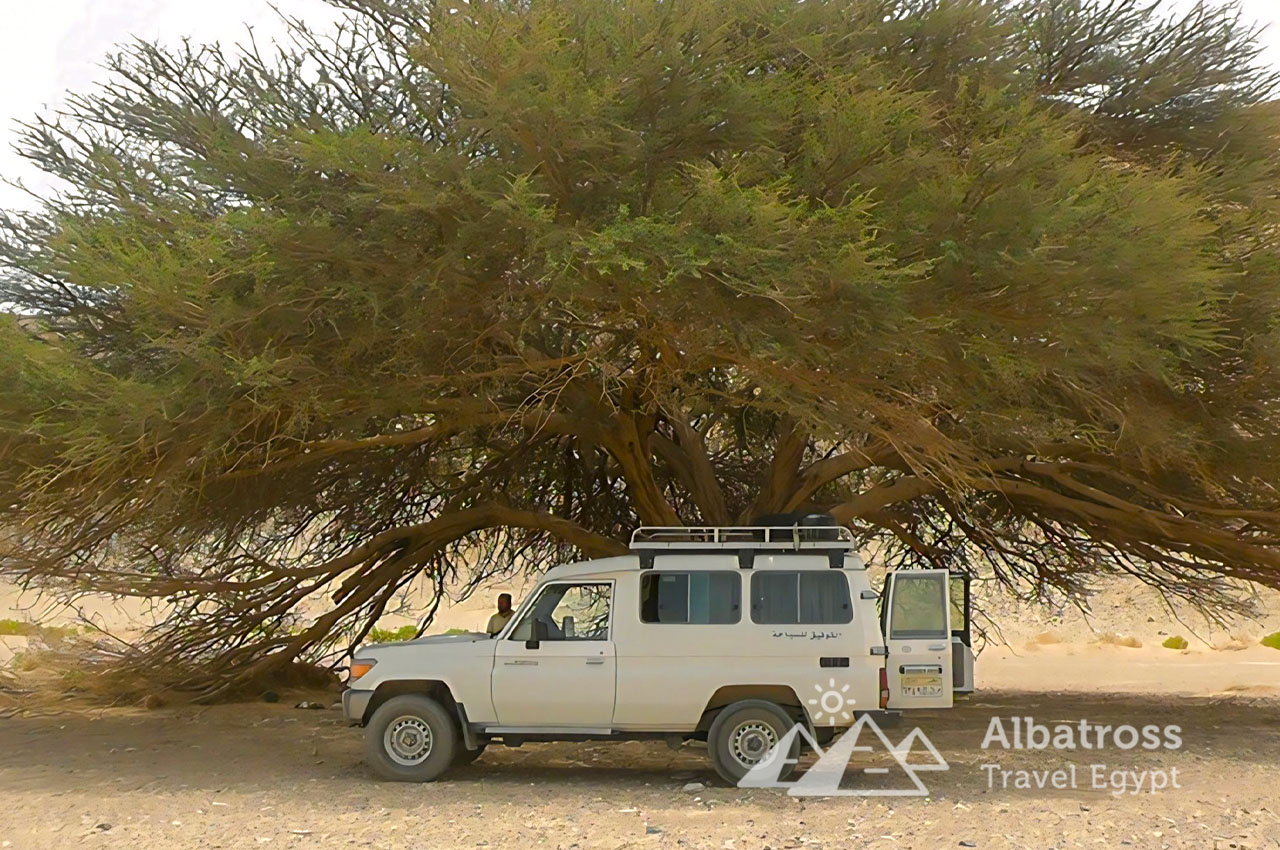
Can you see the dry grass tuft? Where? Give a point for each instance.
(1114, 639)
(61, 665)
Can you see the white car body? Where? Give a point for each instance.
(629, 678)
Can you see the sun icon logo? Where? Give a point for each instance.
(831, 701)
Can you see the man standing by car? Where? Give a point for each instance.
(503, 614)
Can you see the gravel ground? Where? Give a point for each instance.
(269, 775)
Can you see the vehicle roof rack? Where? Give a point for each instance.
(744, 540)
(713, 538)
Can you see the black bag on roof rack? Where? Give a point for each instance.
(807, 526)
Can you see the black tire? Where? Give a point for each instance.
(411, 738)
(463, 757)
(824, 735)
(744, 728)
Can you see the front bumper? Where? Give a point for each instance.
(354, 704)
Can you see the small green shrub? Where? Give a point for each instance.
(1175, 642)
(53, 634)
(1272, 640)
(377, 635)
(26, 661)
(456, 631)
(21, 628)
(74, 678)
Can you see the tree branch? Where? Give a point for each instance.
(629, 449)
(876, 499)
(821, 473)
(780, 479)
(703, 483)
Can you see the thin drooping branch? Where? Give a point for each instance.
(359, 579)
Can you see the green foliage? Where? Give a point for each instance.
(377, 635)
(74, 679)
(1272, 640)
(1175, 642)
(471, 291)
(22, 628)
(14, 627)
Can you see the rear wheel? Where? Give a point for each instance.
(411, 738)
(745, 733)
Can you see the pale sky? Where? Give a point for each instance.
(48, 47)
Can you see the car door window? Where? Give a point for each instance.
(919, 606)
(570, 612)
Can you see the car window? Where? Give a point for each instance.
(919, 604)
(569, 611)
(800, 598)
(696, 598)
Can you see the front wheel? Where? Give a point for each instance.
(410, 738)
(744, 733)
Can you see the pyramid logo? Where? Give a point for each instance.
(824, 777)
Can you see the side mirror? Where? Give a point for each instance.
(567, 627)
(538, 630)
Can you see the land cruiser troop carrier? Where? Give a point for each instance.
(725, 635)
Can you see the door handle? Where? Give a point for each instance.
(521, 662)
(932, 669)
(937, 647)
(595, 660)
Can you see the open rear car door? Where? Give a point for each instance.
(916, 618)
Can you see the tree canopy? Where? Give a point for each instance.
(468, 288)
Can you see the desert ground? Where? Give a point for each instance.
(260, 774)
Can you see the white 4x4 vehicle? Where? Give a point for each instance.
(724, 635)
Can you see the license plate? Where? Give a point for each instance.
(922, 685)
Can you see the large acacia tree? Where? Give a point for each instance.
(468, 288)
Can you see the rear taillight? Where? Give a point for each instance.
(884, 688)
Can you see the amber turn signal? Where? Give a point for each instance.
(360, 666)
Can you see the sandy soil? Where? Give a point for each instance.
(259, 775)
